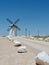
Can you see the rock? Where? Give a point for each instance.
(22, 49)
(16, 43)
(10, 38)
(42, 59)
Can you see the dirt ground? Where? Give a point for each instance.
(10, 56)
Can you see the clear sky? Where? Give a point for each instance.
(33, 14)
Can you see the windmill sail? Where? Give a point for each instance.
(13, 27)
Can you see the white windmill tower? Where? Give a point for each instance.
(12, 28)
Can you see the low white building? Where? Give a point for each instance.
(47, 39)
(40, 39)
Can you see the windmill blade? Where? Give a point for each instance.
(17, 27)
(16, 21)
(9, 21)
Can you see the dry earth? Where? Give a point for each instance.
(9, 55)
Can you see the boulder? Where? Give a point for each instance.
(22, 49)
(42, 59)
(16, 43)
(10, 38)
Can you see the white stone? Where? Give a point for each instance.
(22, 49)
(42, 58)
(9, 37)
(16, 43)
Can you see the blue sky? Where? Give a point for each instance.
(33, 14)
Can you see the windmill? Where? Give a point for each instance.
(13, 27)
